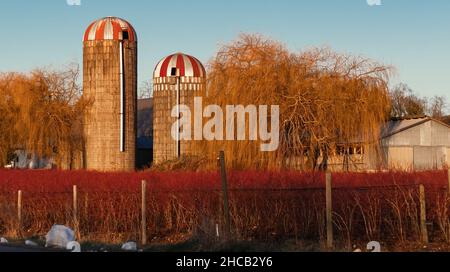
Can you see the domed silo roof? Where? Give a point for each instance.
(110, 28)
(188, 66)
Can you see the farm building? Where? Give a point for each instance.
(405, 144)
(24, 160)
(419, 144)
(177, 79)
(110, 83)
(144, 142)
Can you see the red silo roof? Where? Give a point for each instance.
(110, 28)
(187, 65)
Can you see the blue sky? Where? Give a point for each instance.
(412, 35)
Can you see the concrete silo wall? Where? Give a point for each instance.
(101, 84)
(165, 99)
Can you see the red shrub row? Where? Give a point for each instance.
(62, 181)
(264, 205)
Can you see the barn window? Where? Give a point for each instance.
(125, 35)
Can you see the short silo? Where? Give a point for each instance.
(110, 84)
(177, 79)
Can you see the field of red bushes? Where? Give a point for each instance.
(265, 206)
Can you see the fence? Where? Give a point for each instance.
(334, 215)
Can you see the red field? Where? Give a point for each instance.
(265, 206)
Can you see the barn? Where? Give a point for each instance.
(416, 144)
(420, 143)
(144, 142)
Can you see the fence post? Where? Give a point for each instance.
(144, 213)
(75, 211)
(19, 211)
(329, 200)
(86, 205)
(226, 206)
(448, 177)
(423, 215)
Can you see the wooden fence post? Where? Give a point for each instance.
(144, 213)
(448, 177)
(19, 211)
(86, 205)
(226, 205)
(75, 211)
(329, 200)
(423, 215)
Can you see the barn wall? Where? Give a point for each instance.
(424, 157)
(440, 159)
(375, 157)
(423, 147)
(410, 137)
(430, 133)
(400, 157)
(441, 135)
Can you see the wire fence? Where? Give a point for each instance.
(391, 213)
(403, 209)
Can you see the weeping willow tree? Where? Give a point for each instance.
(7, 123)
(325, 99)
(42, 114)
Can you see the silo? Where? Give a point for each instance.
(177, 78)
(110, 84)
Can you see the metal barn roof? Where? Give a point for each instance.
(399, 125)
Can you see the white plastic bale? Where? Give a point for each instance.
(59, 236)
(130, 246)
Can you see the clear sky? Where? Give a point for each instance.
(412, 35)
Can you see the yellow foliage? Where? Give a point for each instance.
(41, 113)
(325, 98)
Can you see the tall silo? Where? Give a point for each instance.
(110, 84)
(177, 79)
